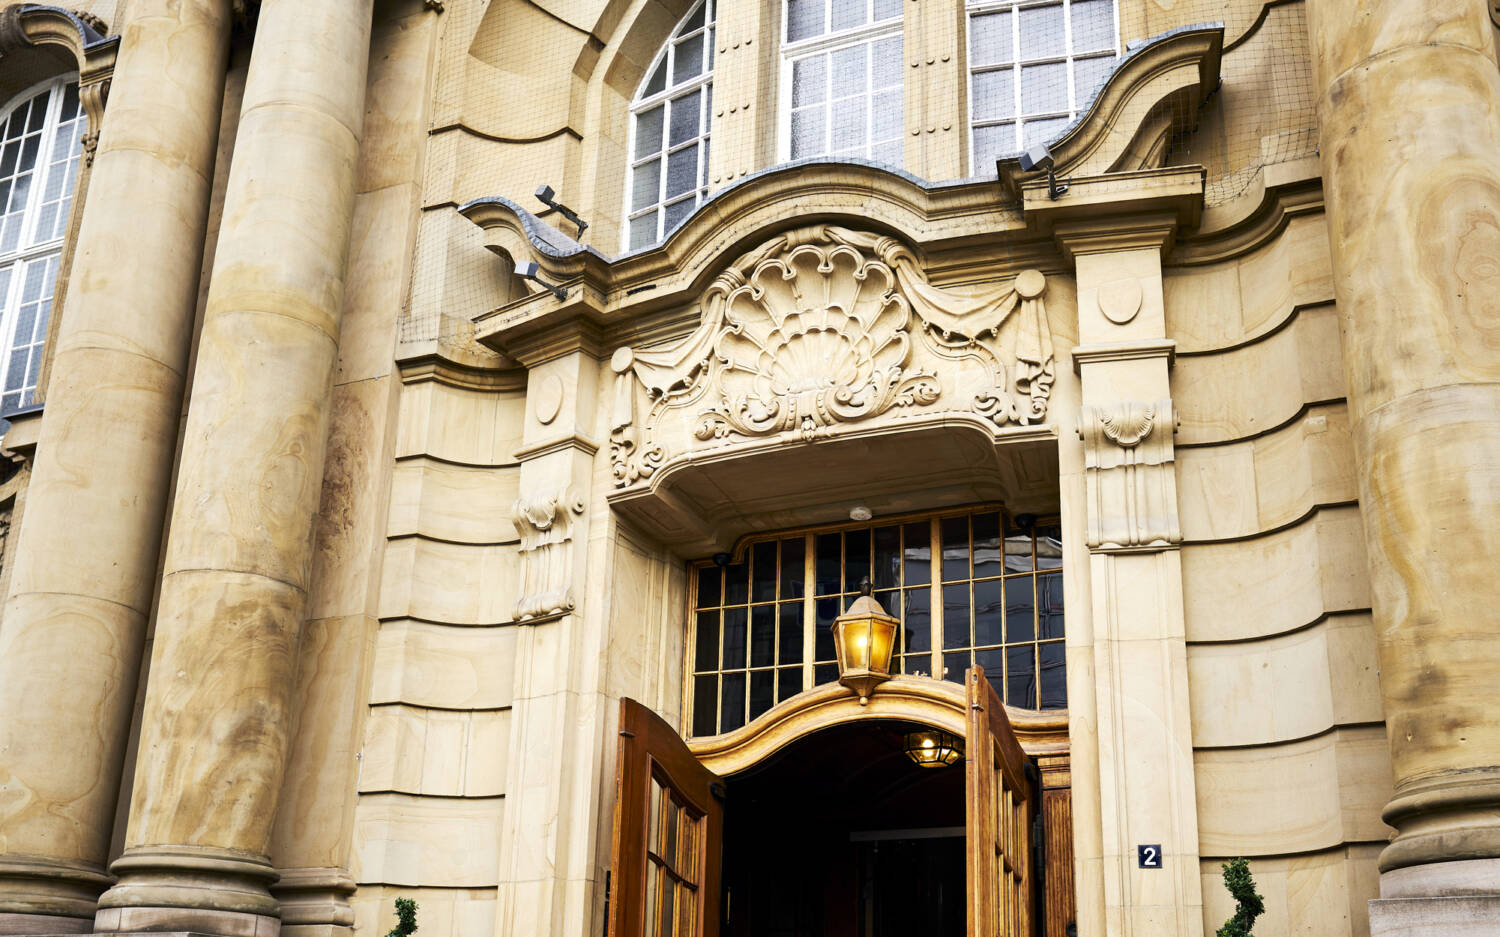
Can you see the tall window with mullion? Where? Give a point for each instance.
(669, 124)
(842, 80)
(1032, 68)
(41, 139)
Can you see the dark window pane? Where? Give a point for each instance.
(917, 550)
(987, 560)
(1020, 676)
(1049, 605)
(791, 633)
(762, 691)
(732, 697)
(993, 662)
(856, 558)
(1054, 676)
(788, 683)
(825, 673)
(828, 610)
(1020, 612)
(956, 616)
(762, 635)
(706, 656)
(763, 572)
(792, 557)
(989, 605)
(955, 548)
(1017, 552)
(708, 586)
(736, 584)
(734, 638)
(1049, 547)
(889, 601)
(917, 622)
(887, 571)
(956, 665)
(829, 562)
(705, 705)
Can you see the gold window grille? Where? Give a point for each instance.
(970, 586)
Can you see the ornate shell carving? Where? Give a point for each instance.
(814, 338)
(823, 326)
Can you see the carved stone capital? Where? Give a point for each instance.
(545, 523)
(1132, 488)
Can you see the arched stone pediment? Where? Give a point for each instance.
(821, 329)
(824, 360)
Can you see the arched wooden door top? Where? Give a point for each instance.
(936, 703)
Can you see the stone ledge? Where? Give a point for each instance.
(1435, 917)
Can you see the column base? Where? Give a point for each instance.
(313, 899)
(12, 923)
(201, 889)
(1466, 916)
(58, 893)
(177, 920)
(1449, 817)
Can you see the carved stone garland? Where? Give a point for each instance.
(545, 523)
(825, 326)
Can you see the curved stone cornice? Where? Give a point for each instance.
(80, 35)
(1153, 94)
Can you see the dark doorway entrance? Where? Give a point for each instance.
(842, 835)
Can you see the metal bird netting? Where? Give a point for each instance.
(635, 118)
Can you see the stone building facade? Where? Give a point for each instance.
(377, 528)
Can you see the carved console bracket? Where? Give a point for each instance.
(545, 523)
(821, 328)
(1132, 488)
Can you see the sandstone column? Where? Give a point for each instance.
(1410, 118)
(89, 542)
(215, 729)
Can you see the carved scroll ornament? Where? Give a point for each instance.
(821, 327)
(545, 523)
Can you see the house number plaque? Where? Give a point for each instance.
(1149, 856)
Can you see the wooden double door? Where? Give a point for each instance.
(667, 870)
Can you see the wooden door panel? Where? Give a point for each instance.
(1000, 805)
(668, 834)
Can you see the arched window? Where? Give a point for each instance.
(969, 586)
(841, 80)
(1032, 67)
(40, 145)
(669, 131)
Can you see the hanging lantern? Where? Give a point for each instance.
(863, 638)
(934, 748)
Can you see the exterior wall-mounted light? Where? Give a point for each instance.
(863, 638)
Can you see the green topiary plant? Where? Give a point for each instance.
(406, 918)
(1248, 904)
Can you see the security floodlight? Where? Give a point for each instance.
(1040, 158)
(546, 196)
(531, 271)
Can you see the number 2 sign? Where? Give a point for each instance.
(1149, 857)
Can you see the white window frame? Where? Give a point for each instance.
(1068, 58)
(27, 252)
(703, 82)
(866, 34)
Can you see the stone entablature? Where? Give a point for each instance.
(822, 328)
